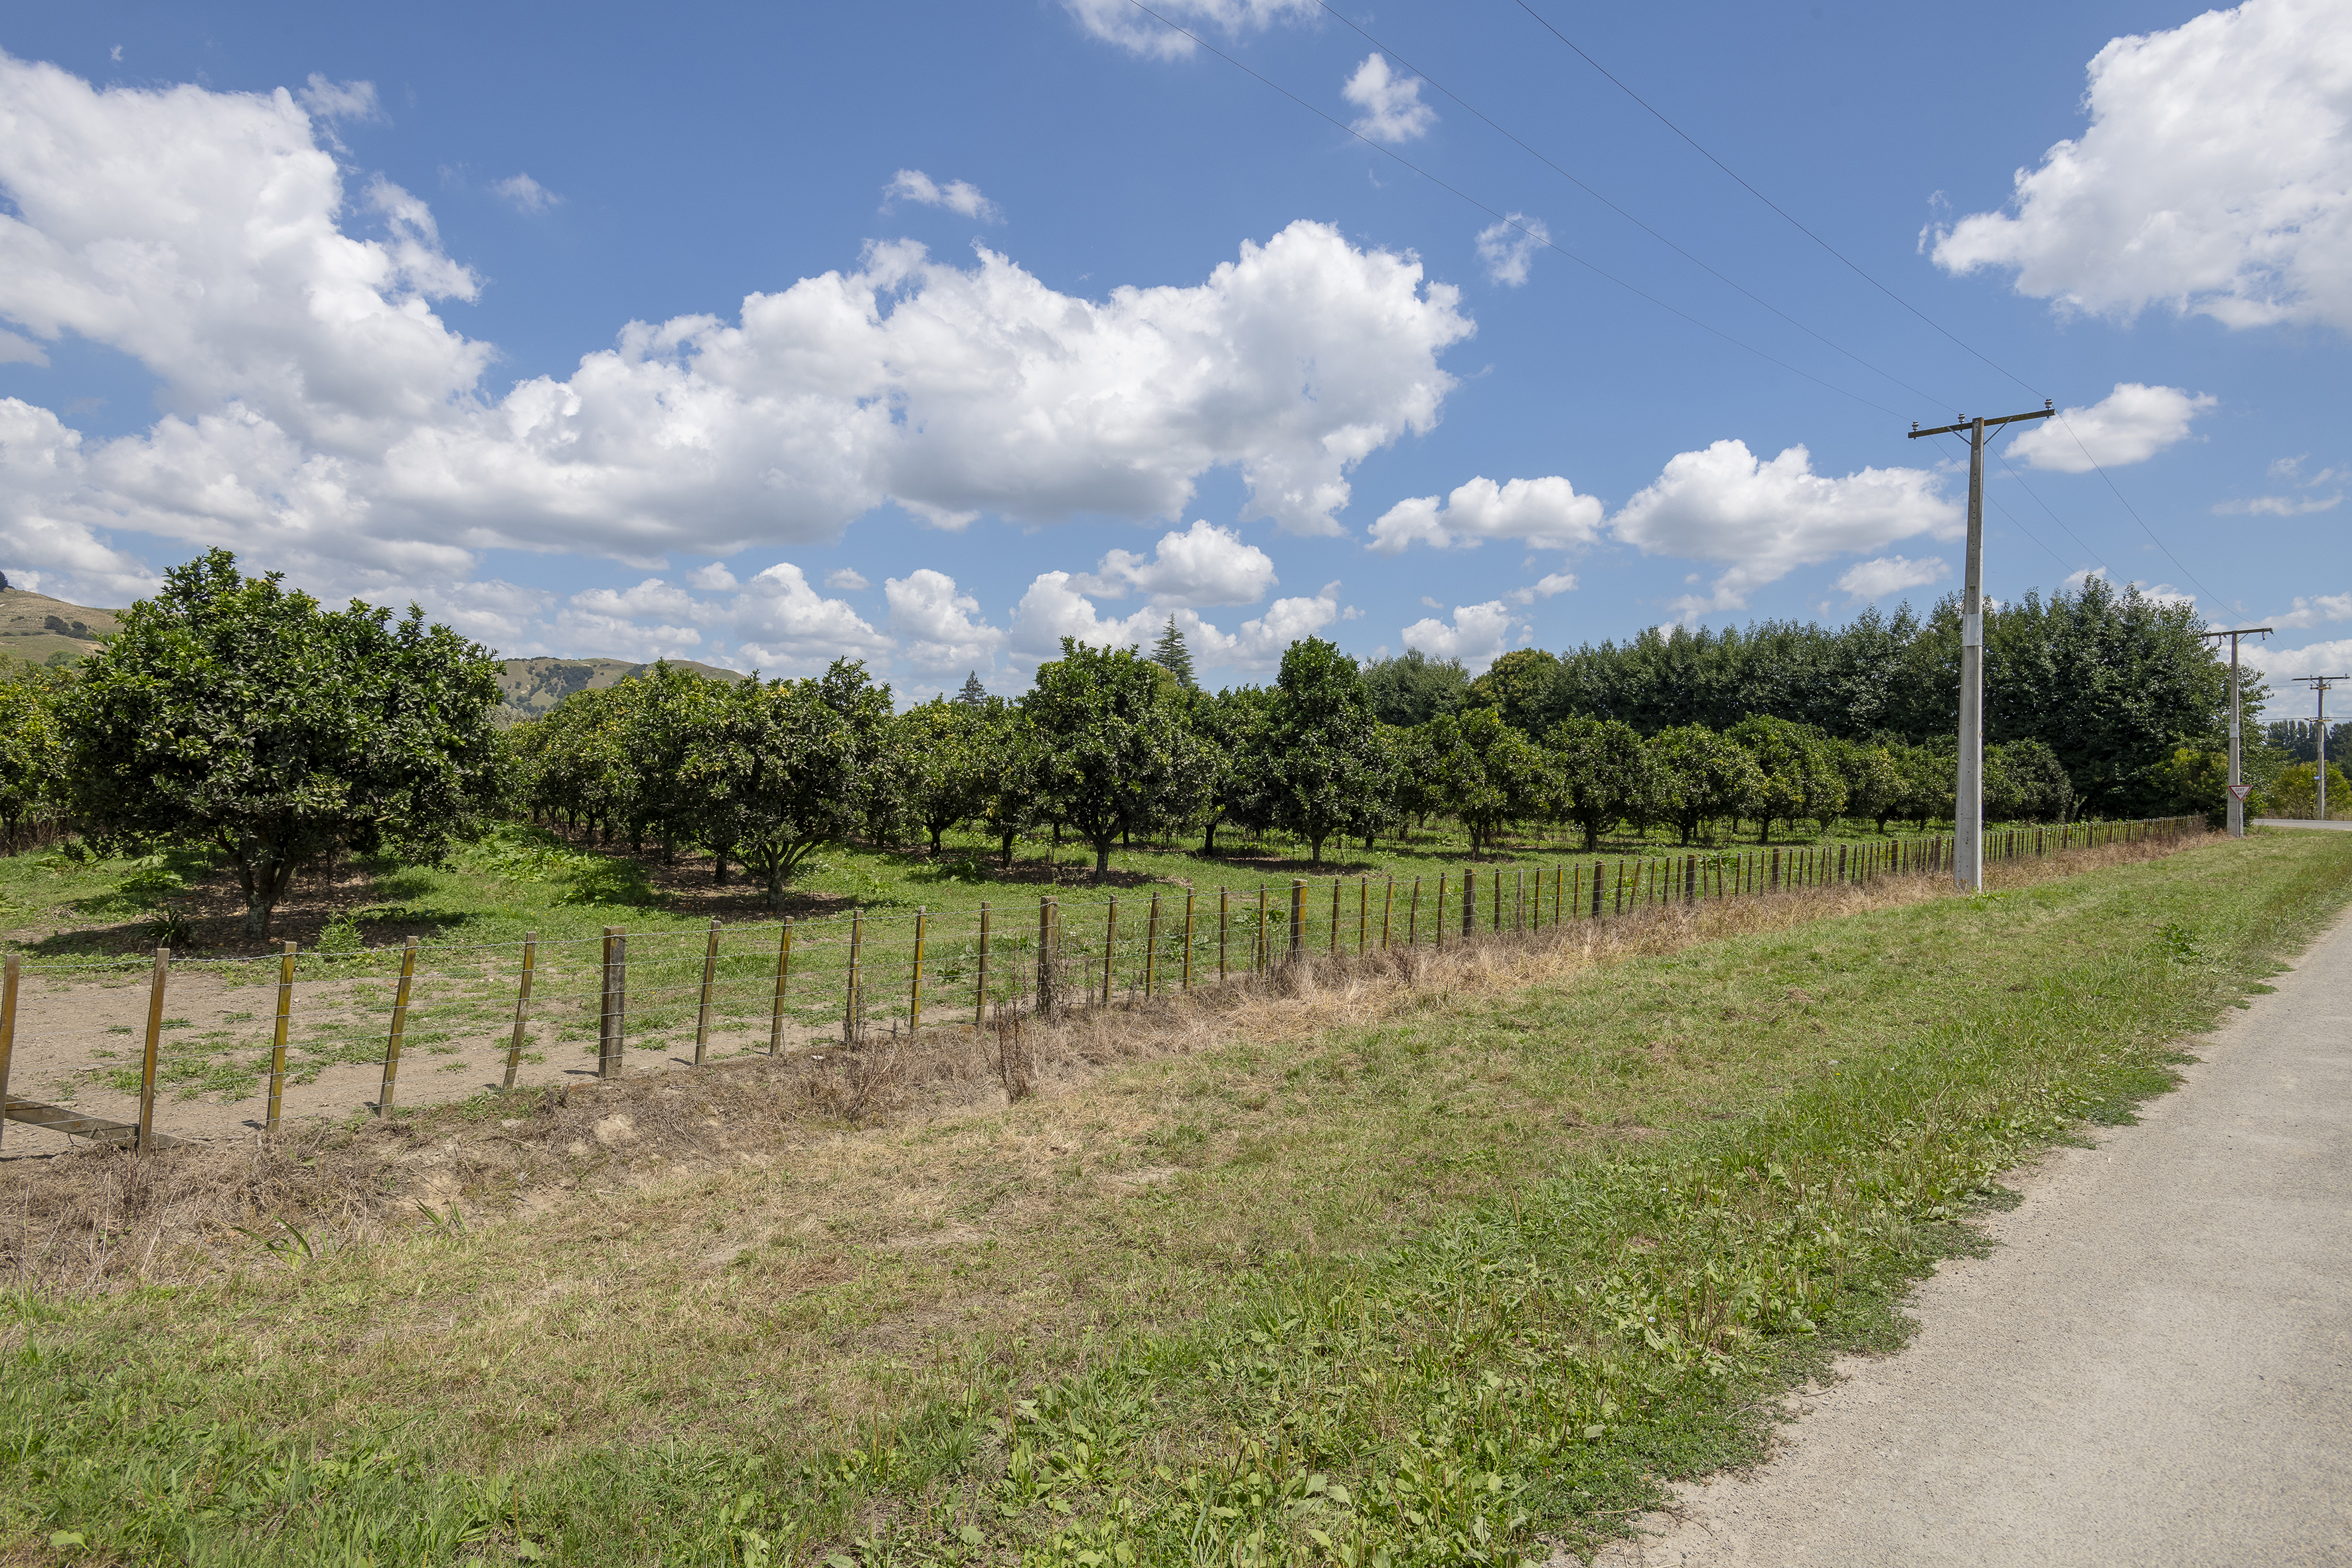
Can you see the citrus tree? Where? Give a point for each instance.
(233, 714)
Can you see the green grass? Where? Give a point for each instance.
(1432, 1289)
(472, 914)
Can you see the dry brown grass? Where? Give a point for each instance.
(98, 1220)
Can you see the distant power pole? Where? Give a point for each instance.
(1968, 794)
(2237, 778)
(2321, 684)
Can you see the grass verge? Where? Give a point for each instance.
(1467, 1275)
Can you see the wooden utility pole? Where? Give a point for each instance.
(2237, 774)
(2321, 685)
(1968, 794)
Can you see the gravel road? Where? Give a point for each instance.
(2154, 1366)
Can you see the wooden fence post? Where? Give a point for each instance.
(776, 1003)
(1224, 932)
(154, 1046)
(277, 1041)
(1388, 912)
(1470, 901)
(710, 977)
(1298, 918)
(614, 1022)
(8, 975)
(1046, 998)
(1111, 944)
(391, 1041)
(1187, 939)
(1438, 925)
(850, 1011)
(1150, 946)
(522, 1008)
(915, 984)
(979, 991)
(1413, 917)
(1261, 955)
(1363, 913)
(1335, 916)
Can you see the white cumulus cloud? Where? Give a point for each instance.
(1509, 248)
(2130, 424)
(2283, 663)
(1477, 636)
(1117, 22)
(321, 415)
(1547, 513)
(526, 195)
(2215, 177)
(1890, 574)
(959, 196)
(1392, 104)
(939, 628)
(338, 99)
(1764, 520)
(1545, 587)
(1202, 566)
(787, 628)
(2317, 610)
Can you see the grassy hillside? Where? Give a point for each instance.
(34, 628)
(532, 686)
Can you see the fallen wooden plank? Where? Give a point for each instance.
(96, 1129)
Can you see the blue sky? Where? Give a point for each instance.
(929, 334)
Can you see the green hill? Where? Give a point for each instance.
(35, 628)
(532, 686)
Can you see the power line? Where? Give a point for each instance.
(1540, 158)
(2045, 506)
(2021, 528)
(2144, 528)
(1544, 240)
(1768, 202)
(1866, 278)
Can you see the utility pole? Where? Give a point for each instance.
(1968, 794)
(2321, 684)
(2237, 776)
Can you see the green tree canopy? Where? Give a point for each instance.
(32, 752)
(1171, 654)
(232, 714)
(1701, 774)
(1111, 754)
(1233, 727)
(781, 768)
(945, 772)
(1516, 684)
(1326, 769)
(1598, 772)
(1413, 688)
(1487, 772)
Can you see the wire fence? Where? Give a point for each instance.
(188, 1030)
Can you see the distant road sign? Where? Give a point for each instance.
(2242, 791)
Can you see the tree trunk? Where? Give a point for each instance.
(263, 888)
(776, 885)
(717, 867)
(1314, 850)
(1209, 839)
(1102, 858)
(935, 839)
(1008, 847)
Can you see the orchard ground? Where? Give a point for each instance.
(59, 905)
(1453, 1262)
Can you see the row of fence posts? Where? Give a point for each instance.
(1654, 880)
